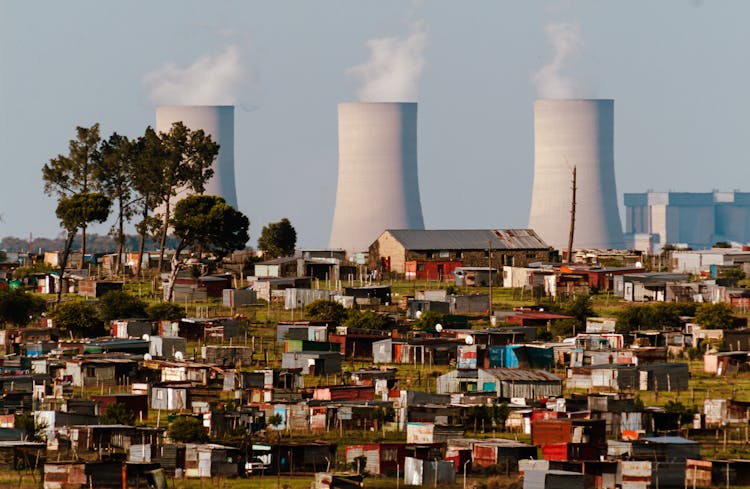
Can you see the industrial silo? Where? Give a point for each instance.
(378, 185)
(580, 134)
(217, 121)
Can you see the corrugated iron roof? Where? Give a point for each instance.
(521, 374)
(468, 239)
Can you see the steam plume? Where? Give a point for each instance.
(554, 80)
(209, 80)
(393, 70)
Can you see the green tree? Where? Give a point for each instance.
(206, 223)
(714, 316)
(78, 318)
(146, 167)
(113, 169)
(186, 162)
(329, 311)
(428, 320)
(75, 212)
(18, 307)
(165, 311)
(277, 239)
(117, 304)
(367, 320)
(75, 173)
(187, 429)
(24, 272)
(118, 413)
(33, 431)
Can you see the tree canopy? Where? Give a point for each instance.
(187, 429)
(75, 212)
(278, 239)
(367, 320)
(714, 316)
(78, 318)
(118, 413)
(328, 311)
(75, 173)
(117, 304)
(165, 311)
(206, 223)
(18, 307)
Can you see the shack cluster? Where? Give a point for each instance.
(577, 399)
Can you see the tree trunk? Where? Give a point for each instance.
(141, 244)
(83, 245)
(163, 240)
(120, 238)
(176, 266)
(64, 262)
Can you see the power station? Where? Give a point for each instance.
(217, 121)
(576, 133)
(378, 185)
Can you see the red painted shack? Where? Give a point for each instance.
(431, 270)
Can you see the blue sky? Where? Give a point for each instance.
(679, 72)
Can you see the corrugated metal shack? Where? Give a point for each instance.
(502, 452)
(552, 479)
(313, 363)
(227, 356)
(506, 382)
(427, 473)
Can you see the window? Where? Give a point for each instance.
(160, 395)
(445, 254)
(420, 267)
(90, 371)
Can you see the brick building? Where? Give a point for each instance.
(511, 247)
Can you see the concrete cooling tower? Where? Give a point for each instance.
(378, 187)
(578, 133)
(217, 121)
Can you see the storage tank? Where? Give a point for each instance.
(580, 133)
(217, 121)
(378, 185)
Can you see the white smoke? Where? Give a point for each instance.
(209, 80)
(393, 70)
(563, 76)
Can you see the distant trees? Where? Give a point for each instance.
(278, 239)
(367, 320)
(428, 320)
(206, 223)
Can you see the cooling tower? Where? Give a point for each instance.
(578, 133)
(378, 187)
(217, 121)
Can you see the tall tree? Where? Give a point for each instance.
(75, 212)
(278, 239)
(75, 173)
(188, 156)
(114, 170)
(145, 177)
(206, 223)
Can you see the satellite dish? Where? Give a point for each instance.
(178, 355)
(469, 340)
(147, 356)
(418, 314)
(438, 327)
(146, 337)
(638, 264)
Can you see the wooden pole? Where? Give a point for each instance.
(572, 218)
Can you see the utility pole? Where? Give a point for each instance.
(489, 272)
(572, 219)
